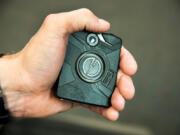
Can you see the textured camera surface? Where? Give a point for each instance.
(90, 68)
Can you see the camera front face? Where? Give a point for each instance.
(90, 68)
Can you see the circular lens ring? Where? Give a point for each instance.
(95, 39)
(83, 74)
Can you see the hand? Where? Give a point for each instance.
(28, 83)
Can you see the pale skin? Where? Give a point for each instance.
(27, 77)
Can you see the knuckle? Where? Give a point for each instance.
(86, 11)
(49, 19)
(88, 16)
(51, 22)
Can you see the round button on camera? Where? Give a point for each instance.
(90, 67)
(92, 39)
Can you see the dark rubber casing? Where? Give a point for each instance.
(90, 68)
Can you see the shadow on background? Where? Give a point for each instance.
(48, 127)
(150, 30)
(71, 125)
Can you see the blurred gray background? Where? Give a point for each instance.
(150, 29)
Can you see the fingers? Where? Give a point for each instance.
(127, 64)
(125, 90)
(110, 114)
(95, 109)
(117, 100)
(76, 20)
(125, 85)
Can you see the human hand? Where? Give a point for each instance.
(28, 87)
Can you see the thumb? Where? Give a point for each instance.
(68, 22)
(85, 19)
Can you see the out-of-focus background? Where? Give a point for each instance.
(150, 29)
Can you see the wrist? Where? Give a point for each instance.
(9, 77)
(8, 70)
(4, 113)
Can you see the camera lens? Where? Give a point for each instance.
(92, 39)
(90, 67)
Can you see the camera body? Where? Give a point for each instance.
(89, 72)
